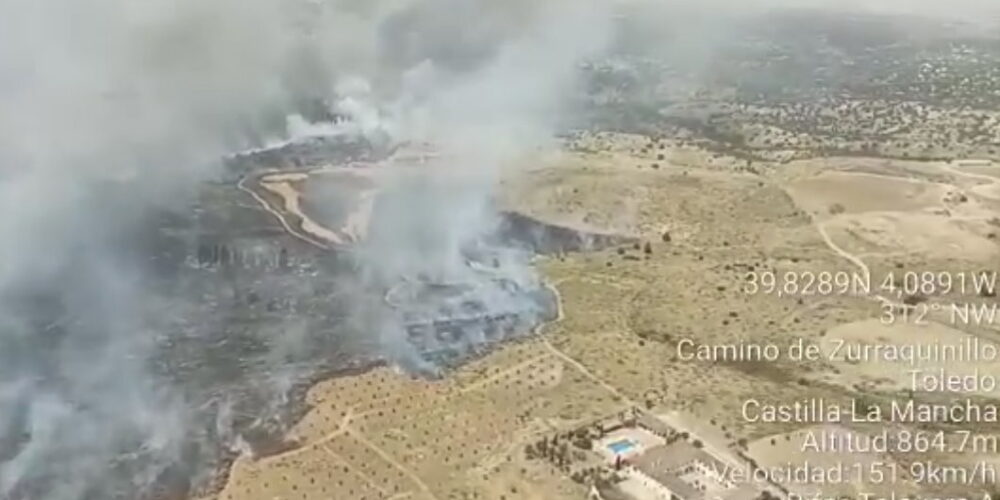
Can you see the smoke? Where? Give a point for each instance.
(112, 110)
(115, 109)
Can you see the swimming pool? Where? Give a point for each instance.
(621, 447)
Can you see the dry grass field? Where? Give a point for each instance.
(705, 221)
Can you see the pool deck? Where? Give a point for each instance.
(639, 440)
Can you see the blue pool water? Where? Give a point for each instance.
(620, 447)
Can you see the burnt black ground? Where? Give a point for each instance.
(236, 321)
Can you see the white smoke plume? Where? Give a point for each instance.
(113, 108)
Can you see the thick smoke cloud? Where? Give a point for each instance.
(112, 109)
(109, 107)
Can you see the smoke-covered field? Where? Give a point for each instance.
(137, 354)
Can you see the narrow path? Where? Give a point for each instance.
(280, 217)
(339, 431)
(560, 314)
(860, 264)
(356, 223)
(392, 461)
(350, 467)
(853, 259)
(587, 373)
(484, 382)
(971, 175)
(991, 181)
(344, 428)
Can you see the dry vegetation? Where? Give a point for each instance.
(705, 221)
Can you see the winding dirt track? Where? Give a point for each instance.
(356, 223)
(853, 259)
(992, 182)
(281, 218)
(278, 184)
